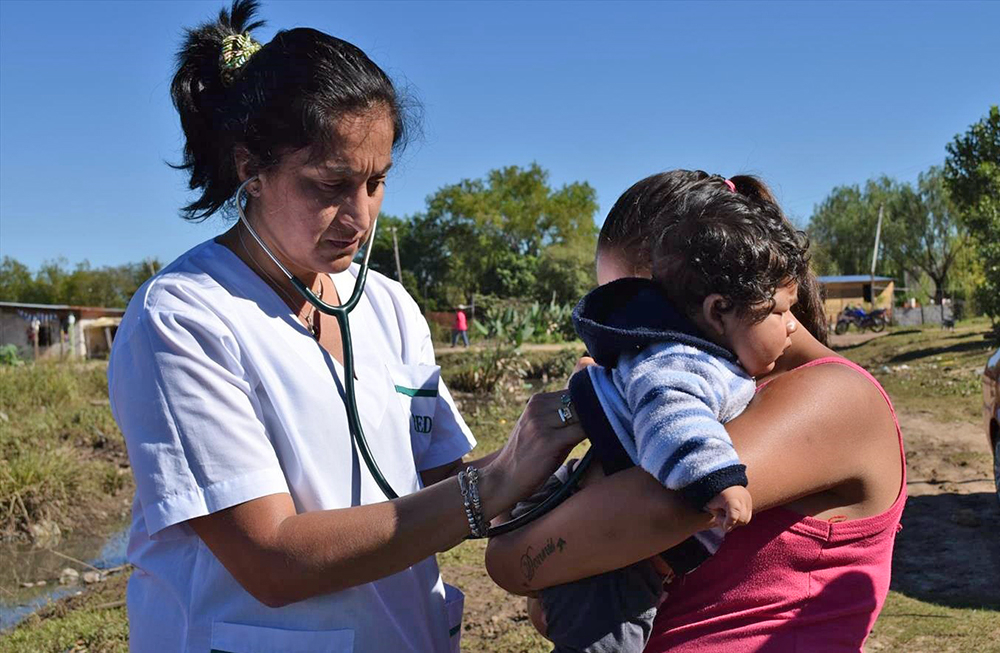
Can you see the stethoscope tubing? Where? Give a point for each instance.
(353, 418)
(341, 314)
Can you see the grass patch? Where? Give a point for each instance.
(95, 621)
(931, 369)
(60, 448)
(914, 626)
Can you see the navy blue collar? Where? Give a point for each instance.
(628, 314)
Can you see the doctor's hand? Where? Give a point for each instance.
(538, 444)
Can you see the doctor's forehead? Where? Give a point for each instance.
(358, 144)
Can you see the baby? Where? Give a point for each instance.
(677, 356)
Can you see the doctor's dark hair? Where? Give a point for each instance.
(288, 95)
(697, 237)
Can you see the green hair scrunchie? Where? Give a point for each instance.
(236, 51)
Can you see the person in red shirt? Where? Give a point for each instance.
(461, 328)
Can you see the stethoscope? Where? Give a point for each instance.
(350, 400)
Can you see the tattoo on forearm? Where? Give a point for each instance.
(531, 561)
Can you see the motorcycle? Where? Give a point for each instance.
(877, 320)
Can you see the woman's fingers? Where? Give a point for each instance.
(583, 363)
(551, 410)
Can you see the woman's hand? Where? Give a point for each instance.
(538, 444)
(583, 363)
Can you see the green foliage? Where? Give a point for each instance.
(842, 227)
(59, 445)
(497, 370)
(972, 175)
(8, 355)
(508, 235)
(96, 622)
(921, 230)
(54, 283)
(566, 272)
(517, 322)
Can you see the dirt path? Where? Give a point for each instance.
(948, 550)
(444, 350)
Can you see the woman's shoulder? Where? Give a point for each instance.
(192, 284)
(830, 390)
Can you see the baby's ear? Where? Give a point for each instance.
(713, 308)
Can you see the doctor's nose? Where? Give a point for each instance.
(357, 211)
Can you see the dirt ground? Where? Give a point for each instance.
(949, 548)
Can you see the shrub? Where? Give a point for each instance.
(9, 355)
(518, 322)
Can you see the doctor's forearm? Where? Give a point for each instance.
(281, 557)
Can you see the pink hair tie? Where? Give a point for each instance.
(731, 185)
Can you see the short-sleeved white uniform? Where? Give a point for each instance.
(223, 397)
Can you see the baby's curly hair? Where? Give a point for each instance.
(710, 237)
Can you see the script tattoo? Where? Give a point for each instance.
(531, 561)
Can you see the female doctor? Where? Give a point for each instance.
(255, 527)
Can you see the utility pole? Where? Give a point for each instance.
(395, 249)
(878, 234)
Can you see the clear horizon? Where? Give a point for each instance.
(808, 95)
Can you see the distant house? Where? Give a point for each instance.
(854, 290)
(61, 331)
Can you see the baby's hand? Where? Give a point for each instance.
(731, 508)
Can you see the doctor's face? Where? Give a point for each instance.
(315, 211)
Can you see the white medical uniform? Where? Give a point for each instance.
(223, 397)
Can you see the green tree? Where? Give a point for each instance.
(566, 272)
(54, 283)
(930, 234)
(493, 235)
(972, 175)
(16, 282)
(842, 228)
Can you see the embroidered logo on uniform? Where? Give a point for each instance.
(422, 423)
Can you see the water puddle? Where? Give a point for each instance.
(24, 564)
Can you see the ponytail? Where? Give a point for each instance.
(267, 100)
(201, 97)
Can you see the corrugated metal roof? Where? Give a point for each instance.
(851, 278)
(60, 307)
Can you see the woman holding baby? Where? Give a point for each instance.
(255, 528)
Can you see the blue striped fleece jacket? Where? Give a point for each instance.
(665, 390)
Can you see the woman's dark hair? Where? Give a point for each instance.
(287, 96)
(697, 236)
(628, 230)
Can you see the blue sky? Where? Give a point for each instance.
(808, 95)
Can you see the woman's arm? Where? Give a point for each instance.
(821, 430)
(281, 557)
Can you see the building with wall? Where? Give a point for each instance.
(855, 290)
(58, 330)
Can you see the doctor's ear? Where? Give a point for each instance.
(246, 167)
(714, 309)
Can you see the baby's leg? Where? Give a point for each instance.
(608, 613)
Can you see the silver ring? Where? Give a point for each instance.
(565, 414)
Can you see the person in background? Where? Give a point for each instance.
(461, 328)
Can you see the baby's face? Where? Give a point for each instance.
(758, 345)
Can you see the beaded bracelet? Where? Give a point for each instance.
(468, 484)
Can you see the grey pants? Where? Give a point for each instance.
(609, 613)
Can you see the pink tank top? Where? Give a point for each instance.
(786, 582)
(460, 322)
